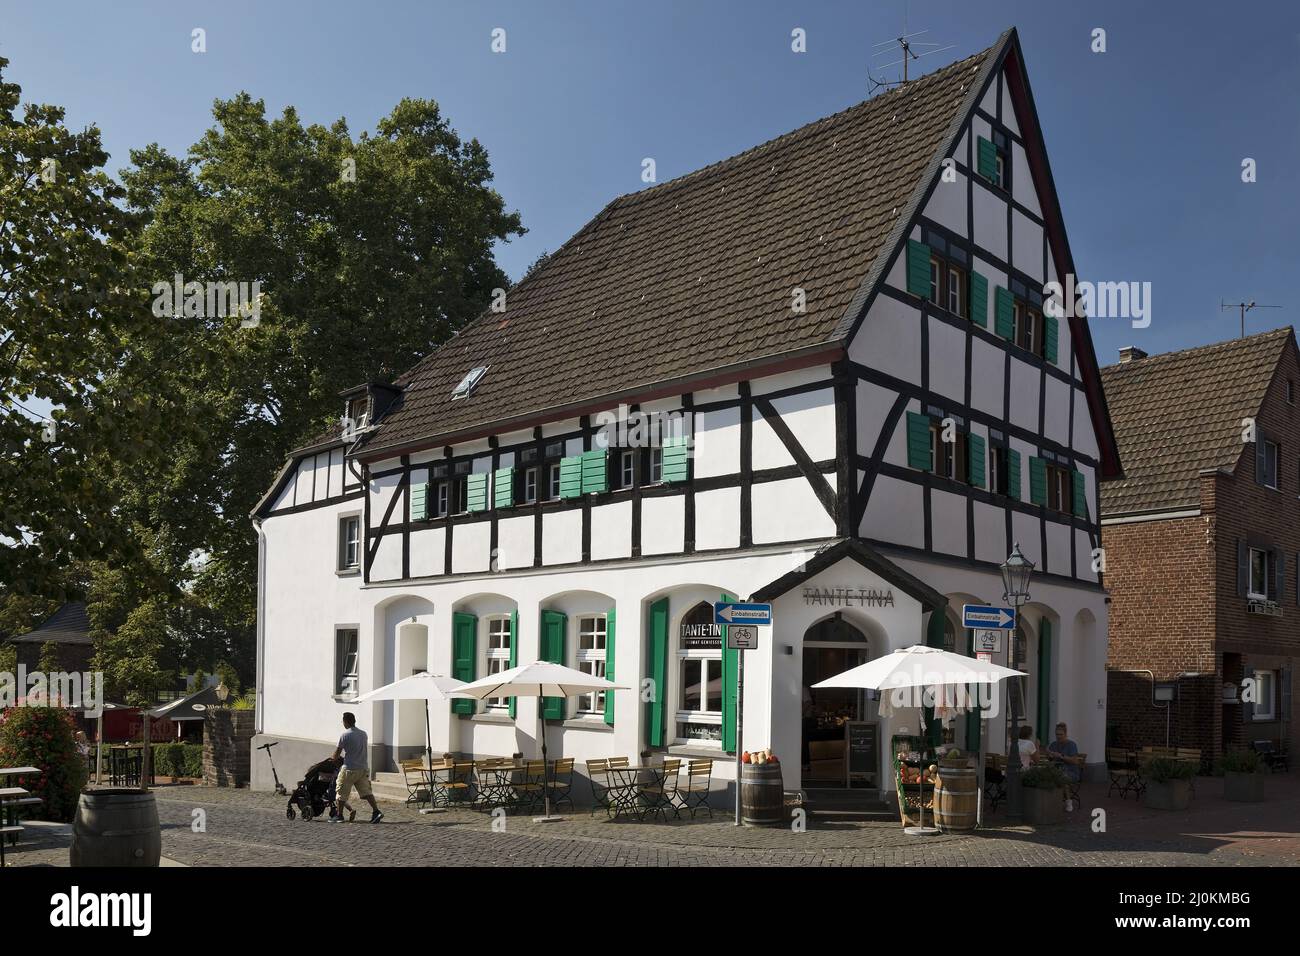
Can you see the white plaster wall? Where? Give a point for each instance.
(1058, 547)
(561, 537)
(990, 532)
(947, 205)
(890, 339)
(810, 416)
(1085, 438)
(987, 370)
(947, 522)
(515, 542)
(387, 564)
(1027, 245)
(1056, 410)
(663, 524)
(1025, 380)
(947, 360)
(990, 222)
(611, 530)
(717, 443)
(471, 547)
(874, 404)
(717, 519)
(429, 552)
(789, 511)
(894, 512)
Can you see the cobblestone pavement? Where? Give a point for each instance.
(246, 828)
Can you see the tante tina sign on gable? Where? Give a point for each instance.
(849, 597)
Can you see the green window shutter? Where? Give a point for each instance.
(657, 647)
(918, 268)
(595, 471)
(503, 487)
(1004, 317)
(975, 460)
(675, 460)
(609, 666)
(476, 492)
(1051, 333)
(464, 656)
(730, 678)
(1080, 494)
(986, 159)
(918, 441)
(514, 653)
(979, 300)
(1013, 474)
(1044, 679)
(554, 624)
(420, 502)
(571, 477)
(1038, 481)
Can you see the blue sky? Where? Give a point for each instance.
(1146, 140)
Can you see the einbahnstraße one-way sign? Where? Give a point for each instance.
(986, 617)
(733, 613)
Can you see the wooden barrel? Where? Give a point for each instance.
(955, 796)
(116, 827)
(762, 795)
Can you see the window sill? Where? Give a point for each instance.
(492, 717)
(593, 722)
(348, 572)
(342, 699)
(698, 752)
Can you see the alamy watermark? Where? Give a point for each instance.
(628, 429)
(1098, 300)
(72, 689)
(209, 300)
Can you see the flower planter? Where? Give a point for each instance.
(1042, 805)
(1168, 795)
(1243, 787)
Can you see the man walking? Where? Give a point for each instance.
(355, 771)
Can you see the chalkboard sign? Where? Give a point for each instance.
(864, 748)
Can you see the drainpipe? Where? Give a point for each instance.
(259, 709)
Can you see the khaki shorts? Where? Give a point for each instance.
(348, 779)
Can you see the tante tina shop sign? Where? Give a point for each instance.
(709, 636)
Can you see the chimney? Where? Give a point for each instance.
(1130, 353)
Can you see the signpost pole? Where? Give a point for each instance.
(740, 709)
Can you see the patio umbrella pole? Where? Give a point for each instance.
(428, 755)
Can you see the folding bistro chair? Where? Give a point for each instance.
(489, 790)
(1124, 775)
(598, 777)
(562, 783)
(661, 796)
(530, 789)
(995, 779)
(418, 789)
(695, 795)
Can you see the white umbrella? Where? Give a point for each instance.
(420, 686)
(538, 679)
(925, 667)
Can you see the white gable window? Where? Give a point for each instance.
(349, 552)
(346, 657)
(590, 659)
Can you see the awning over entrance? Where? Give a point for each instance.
(869, 558)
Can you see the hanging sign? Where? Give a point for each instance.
(742, 637)
(988, 641)
(986, 616)
(701, 637)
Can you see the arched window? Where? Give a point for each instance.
(698, 693)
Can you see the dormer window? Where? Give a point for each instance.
(472, 378)
(364, 405)
(358, 411)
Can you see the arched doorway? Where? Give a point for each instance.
(830, 647)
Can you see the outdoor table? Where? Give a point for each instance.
(8, 808)
(506, 777)
(14, 771)
(625, 794)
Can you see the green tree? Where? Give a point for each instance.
(369, 251)
(70, 311)
(50, 662)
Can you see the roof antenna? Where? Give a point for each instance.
(905, 43)
(1244, 307)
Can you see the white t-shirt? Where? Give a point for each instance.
(1027, 751)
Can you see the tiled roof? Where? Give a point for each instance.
(68, 625)
(696, 275)
(1179, 413)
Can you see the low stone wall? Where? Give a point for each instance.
(226, 738)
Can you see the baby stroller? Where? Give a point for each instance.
(315, 791)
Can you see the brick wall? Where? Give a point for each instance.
(1175, 607)
(226, 754)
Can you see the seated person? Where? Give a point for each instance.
(1065, 752)
(1028, 747)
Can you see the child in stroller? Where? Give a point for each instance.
(315, 791)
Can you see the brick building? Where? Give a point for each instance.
(1202, 543)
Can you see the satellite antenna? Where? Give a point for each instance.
(906, 44)
(1244, 307)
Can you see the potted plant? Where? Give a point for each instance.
(1243, 776)
(1042, 787)
(1169, 783)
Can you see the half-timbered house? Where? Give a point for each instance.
(818, 373)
